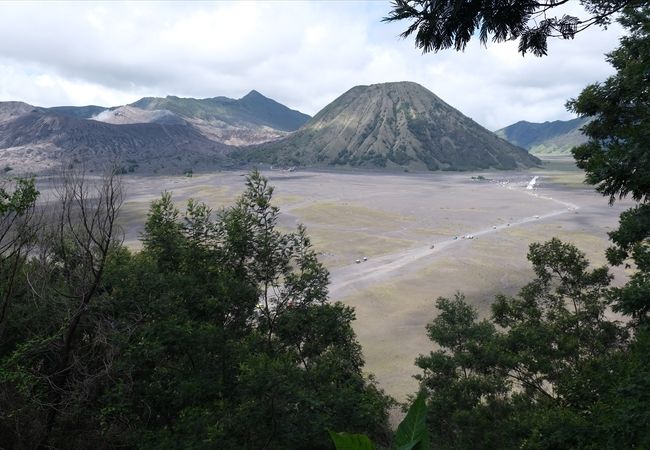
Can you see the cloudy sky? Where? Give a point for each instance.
(302, 54)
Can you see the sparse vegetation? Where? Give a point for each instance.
(399, 156)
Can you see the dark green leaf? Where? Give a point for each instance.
(348, 441)
(413, 429)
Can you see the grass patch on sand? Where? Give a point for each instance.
(286, 200)
(390, 325)
(591, 244)
(350, 215)
(214, 196)
(567, 179)
(563, 171)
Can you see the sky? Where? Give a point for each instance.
(301, 54)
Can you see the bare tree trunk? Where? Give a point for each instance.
(81, 239)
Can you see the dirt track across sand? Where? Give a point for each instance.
(384, 266)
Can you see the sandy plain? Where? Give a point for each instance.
(394, 220)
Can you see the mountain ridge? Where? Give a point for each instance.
(251, 119)
(550, 137)
(399, 125)
(39, 140)
(201, 133)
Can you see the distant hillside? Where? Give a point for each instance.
(251, 119)
(170, 134)
(392, 125)
(12, 110)
(36, 139)
(79, 112)
(557, 137)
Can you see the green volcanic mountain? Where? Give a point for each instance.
(392, 125)
(557, 137)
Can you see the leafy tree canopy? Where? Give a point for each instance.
(443, 24)
(17, 195)
(217, 334)
(617, 156)
(547, 370)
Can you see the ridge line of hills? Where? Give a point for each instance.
(556, 137)
(394, 126)
(167, 135)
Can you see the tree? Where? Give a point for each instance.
(218, 334)
(443, 24)
(17, 234)
(237, 345)
(53, 351)
(617, 156)
(541, 371)
(567, 375)
(466, 394)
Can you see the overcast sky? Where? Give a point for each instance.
(302, 54)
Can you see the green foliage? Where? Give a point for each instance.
(240, 348)
(616, 158)
(19, 197)
(548, 370)
(53, 327)
(218, 334)
(458, 379)
(411, 433)
(347, 441)
(17, 203)
(163, 232)
(442, 24)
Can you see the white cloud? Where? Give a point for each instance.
(300, 53)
